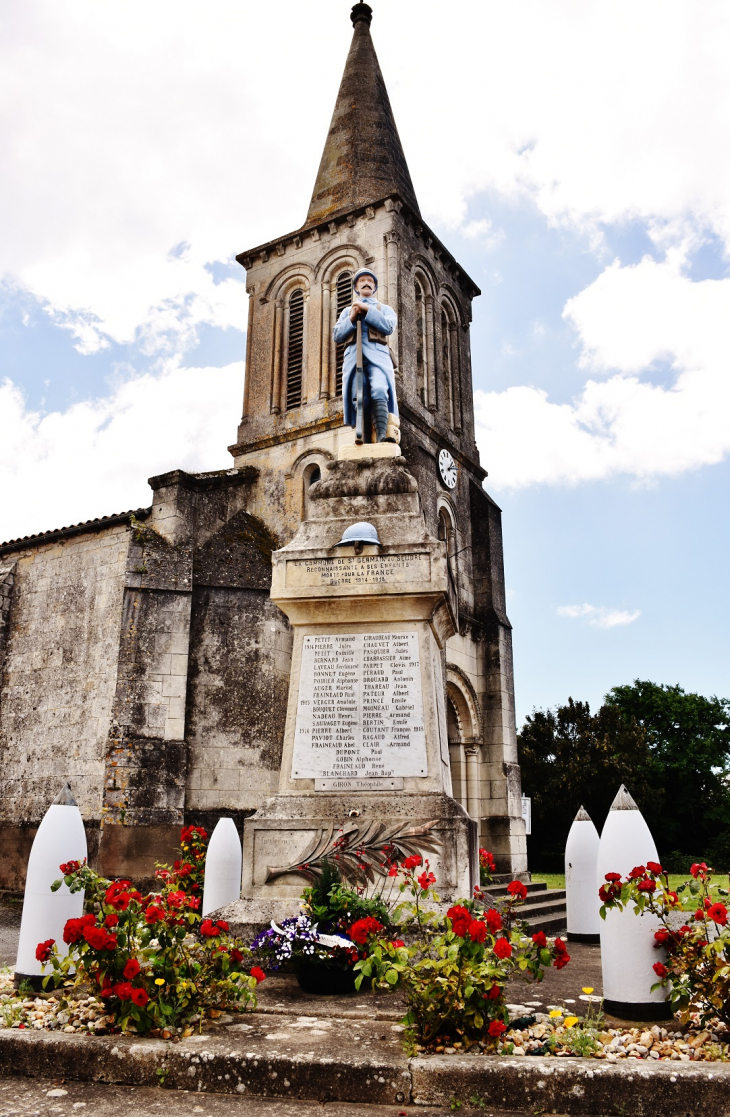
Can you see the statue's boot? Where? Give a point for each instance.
(379, 414)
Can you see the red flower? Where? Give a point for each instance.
(69, 867)
(99, 939)
(236, 954)
(486, 861)
(477, 930)
(517, 889)
(660, 969)
(647, 885)
(107, 991)
(672, 898)
(44, 949)
(503, 948)
(496, 1028)
(560, 946)
(139, 997)
(363, 928)
(175, 899)
(188, 832)
(539, 938)
(123, 991)
(654, 867)
(561, 961)
(412, 862)
(494, 920)
(426, 879)
(111, 920)
(74, 929)
(131, 969)
(637, 871)
(609, 892)
(613, 877)
(396, 943)
(460, 919)
(155, 914)
(393, 870)
(493, 993)
(718, 914)
(258, 973)
(699, 869)
(222, 925)
(661, 936)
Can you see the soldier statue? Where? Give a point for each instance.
(378, 380)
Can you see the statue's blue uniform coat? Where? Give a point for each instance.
(377, 363)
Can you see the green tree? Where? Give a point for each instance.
(572, 758)
(689, 739)
(670, 748)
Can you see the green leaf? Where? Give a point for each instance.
(478, 1021)
(391, 977)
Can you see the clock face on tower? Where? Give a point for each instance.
(447, 469)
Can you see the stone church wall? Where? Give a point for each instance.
(59, 672)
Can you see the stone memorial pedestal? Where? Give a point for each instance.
(366, 739)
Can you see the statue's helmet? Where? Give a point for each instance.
(359, 274)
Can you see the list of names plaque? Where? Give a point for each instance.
(360, 709)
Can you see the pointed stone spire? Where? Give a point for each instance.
(363, 159)
(623, 801)
(65, 797)
(582, 816)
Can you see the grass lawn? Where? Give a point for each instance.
(557, 880)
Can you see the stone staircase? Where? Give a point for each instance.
(544, 909)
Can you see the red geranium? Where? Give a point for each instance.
(637, 871)
(413, 861)
(111, 920)
(661, 936)
(258, 973)
(517, 889)
(660, 969)
(139, 997)
(539, 938)
(717, 913)
(493, 993)
(154, 913)
(699, 869)
(613, 876)
(361, 929)
(69, 867)
(131, 969)
(236, 954)
(211, 929)
(426, 879)
(563, 957)
(609, 892)
(503, 948)
(486, 860)
(647, 885)
(496, 1028)
(44, 949)
(494, 920)
(396, 943)
(654, 867)
(189, 832)
(477, 930)
(123, 991)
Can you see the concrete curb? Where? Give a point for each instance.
(221, 1064)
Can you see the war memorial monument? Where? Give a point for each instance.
(316, 636)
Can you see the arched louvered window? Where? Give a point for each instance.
(421, 367)
(446, 367)
(295, 349)
(343, 298)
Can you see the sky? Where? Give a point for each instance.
(575, 158)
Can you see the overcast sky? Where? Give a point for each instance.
(574, 156)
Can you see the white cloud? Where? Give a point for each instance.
(129, 128)
(599, 615)
(626, 321)
(94, 458)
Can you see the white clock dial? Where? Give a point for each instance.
(447, 469)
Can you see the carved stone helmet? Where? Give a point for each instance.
(361, 273)
(362, 533)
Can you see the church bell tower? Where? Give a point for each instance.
(364, 213)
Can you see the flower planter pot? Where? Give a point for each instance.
(326, 981)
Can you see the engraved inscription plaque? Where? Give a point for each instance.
(358, 570)
(360, 709)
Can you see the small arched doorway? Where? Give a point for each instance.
(462, 723)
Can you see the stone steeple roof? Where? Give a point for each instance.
(363, 159)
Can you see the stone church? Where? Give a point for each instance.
(141, 657)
